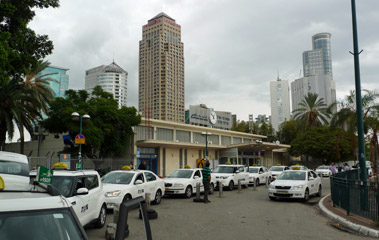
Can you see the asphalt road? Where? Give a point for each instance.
(245, 215)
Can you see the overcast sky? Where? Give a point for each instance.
(232, 48)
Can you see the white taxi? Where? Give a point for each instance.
(229, 175)
(37, 215)
(183, 182)
(260, 174)
(298, 166)
(14, 169)
(84, 190)
(324, 171)
(277, 170)
(123, 185)
(295, 184)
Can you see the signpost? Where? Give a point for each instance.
(80, 139)
(44, 175)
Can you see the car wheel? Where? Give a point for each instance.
(127, 197)
(158, 197)
(319, 191)
(100, 222)
(306, 195)
(272, 198)
(188, 192)
(231, 186)
(211, 188)
(257, 182)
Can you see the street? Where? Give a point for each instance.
(245, 215)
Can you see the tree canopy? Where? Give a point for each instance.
(107, 133)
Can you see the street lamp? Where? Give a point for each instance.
(206, 134)
(76, 116)
(259, 142)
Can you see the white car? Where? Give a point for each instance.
(229, 175)
(277, 170)
(184, 181)
(84, 190)
(324, 171)
(124, 184)
(260, 174)
(38, 215)
(14, 169)
(295, 184)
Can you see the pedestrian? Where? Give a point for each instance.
(332, 168)
(206, 171)
(346, 167)
(142, 166)
(339, 168)
(131, 165)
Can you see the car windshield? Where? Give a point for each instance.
(34, 225)
(253, 170)
(181, 174)
(63, 184)
(323, 167)
(223, 169)
(118, 177)
(292, 176)
(276, 169)
(14, 168)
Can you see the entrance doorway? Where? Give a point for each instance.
(151, 160)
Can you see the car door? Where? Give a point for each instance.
(80, 202)
(311, 183)
(151, 184)
(261, 176)
(94, 195)
(317, 181)
(139, 187)
(243, 176)
(197, 178)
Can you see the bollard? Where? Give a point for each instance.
(239, 186)
(220, 189)
(255, 184)
(267, 182)
(198, 190)
(147, 199)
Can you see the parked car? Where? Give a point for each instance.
(295, 184)
(14, 169)
(37, 215)
(229, 175)
(128, 184)
(277, 170)
(324, 171)
(183, 182)
(260, 174)
(84, 190)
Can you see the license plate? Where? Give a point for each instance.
(282, 191)
(167, 189)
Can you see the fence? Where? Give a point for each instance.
(355, 196)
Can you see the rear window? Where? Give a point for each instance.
(14, 168)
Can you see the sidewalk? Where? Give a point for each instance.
(356, 223)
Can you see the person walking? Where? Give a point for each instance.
(332, 168)
(206, 171)
(346, 167)
(142, 166)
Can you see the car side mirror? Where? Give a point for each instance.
(238, 171)
(311, 178)
(82, 191)
(138, 182)
(196, 177)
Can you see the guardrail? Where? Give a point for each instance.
(355, 196)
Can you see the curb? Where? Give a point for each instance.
(346, 223)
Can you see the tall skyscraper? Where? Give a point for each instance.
(318, 73)
(280, 102)
(111, 78)
(161, 70)
(58, 79)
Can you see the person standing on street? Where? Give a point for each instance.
(332, 168)
(206, 171)
(142, 166)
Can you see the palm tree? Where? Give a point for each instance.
(312, 112)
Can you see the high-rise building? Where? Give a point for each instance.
(111, 78)
(161, 70)
(280, 102)
(318, 61)
(318, 73)
(58, 79)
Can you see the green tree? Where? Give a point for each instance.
(20, 47)
(109, 130)
(241, 126)
(288, 131)
(312, 112)
(321, 143)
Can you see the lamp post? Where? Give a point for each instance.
(259, 142)
(206, 134)
(76, 116)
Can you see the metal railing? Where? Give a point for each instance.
(355, 196)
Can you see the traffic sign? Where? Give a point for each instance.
(78, 166)
(44, 175)
(80, 139)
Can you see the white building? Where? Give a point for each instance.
(199, 115)
(111, 78)
(280, 102)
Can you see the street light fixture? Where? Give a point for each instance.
(259, 142)
(206, 134)
(76, 116)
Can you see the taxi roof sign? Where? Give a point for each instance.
(296, 168)
(126, 168)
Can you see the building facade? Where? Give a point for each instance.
(161, 70)
(58, 79)
(199, 115)
(111, 78)
(280, 102)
